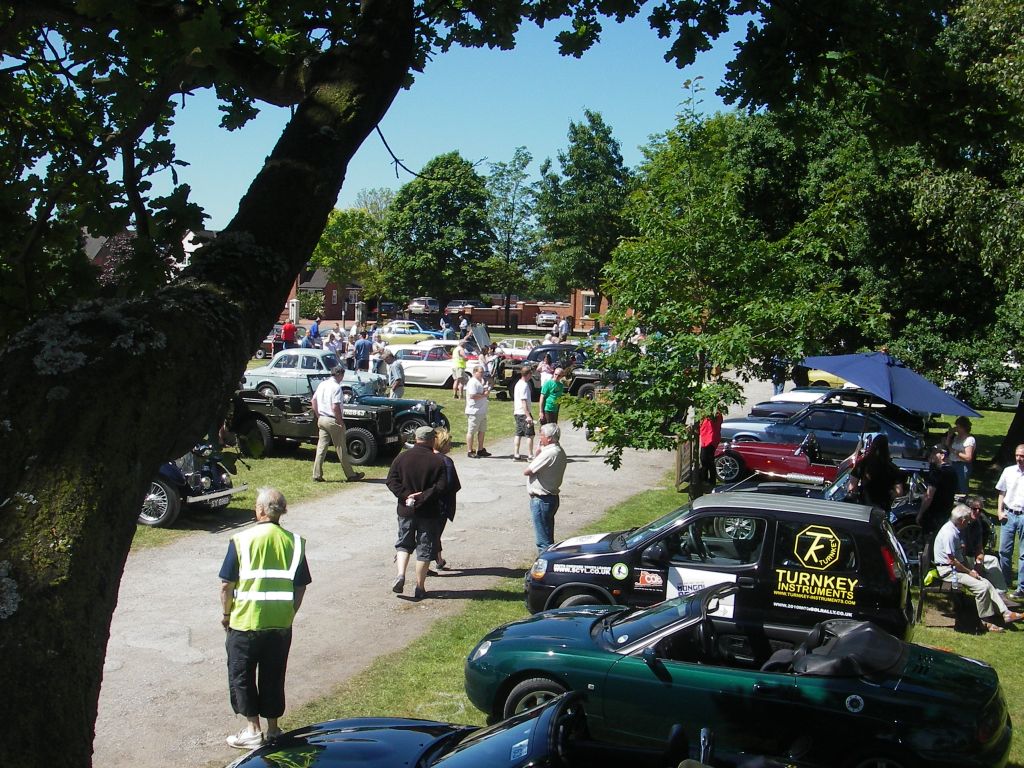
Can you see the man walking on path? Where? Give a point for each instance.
(476, 413)
(327, 401)
(363, 348)
(418, 480)
(521, 402)
(1010, 511)
(544, 481)
(263, 580)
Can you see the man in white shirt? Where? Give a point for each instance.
(952, 565)
(476, 412)
(522, 399)
(326, 403)
(1010, 511)
(544, 482)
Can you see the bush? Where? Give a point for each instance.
(311, 304)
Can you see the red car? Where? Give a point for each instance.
(787, 461)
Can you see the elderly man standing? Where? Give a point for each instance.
(396, 375)
(1010, 511)
(327, 402)
(544, 481)
(418, 478)
(953, 566)
(263, 580)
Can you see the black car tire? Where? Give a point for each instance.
(161, 506)
(880, 759)
(261, 354)
(729, 467)
(361, 446)
(531, 693)
(407, 427)
(587, 391)
(580, 598)
(911, 536)
(256, 439)
(267, 389)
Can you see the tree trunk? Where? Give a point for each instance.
(84, 424)
(1014, 437)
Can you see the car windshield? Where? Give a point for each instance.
(647, 531)
(639, 624)
(509, 743)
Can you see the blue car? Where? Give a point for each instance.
(838, 429)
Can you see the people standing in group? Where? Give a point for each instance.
(327, 408)
(1010, 512)
(550, 393)
(288, 334)
(263, 580)
(975, 536)
(418, 479)
(522, 412)
(314, 332)
(939, 495)
(544, 483)
(961, 445)
(476, 393)
(363, 348)
(954, 566)
(710, 435)
(442, 447)
(458, 369)
(396, 375)
(875, 478)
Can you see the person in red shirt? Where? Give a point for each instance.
(710, 437)
(288, 332)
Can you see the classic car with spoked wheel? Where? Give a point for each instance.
(201, 479)
(795, 561)
(785, 461)
(847, 695)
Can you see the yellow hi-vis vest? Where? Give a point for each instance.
(268, 558)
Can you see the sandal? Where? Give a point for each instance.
(1011, 616)
(992, 627)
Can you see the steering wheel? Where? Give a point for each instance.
(706, 636)
(567, 720)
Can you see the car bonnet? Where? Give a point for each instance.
(591, 544)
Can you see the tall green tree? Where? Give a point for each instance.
(344, 246)
(580, 207)
(438, 229)
(703, 284)
(510, 212)
(377, 271)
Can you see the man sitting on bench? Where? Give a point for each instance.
(951, 563)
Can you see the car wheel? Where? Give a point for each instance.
(261, 354)
(407, 428)
(878, 760)
(531, 693)
(587, 391)
(267, 390)
(361, 446)
(256, 439)
(161, 506)
(911, 536)
(735, 528)
(728, 467)
(581, 598)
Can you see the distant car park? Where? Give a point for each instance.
(546, 319)
(461, 305)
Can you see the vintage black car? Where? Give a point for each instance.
(259, 421)
(796, 562)
(201, 479)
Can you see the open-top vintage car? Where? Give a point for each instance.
(786, 461)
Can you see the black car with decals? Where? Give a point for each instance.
(796, 562)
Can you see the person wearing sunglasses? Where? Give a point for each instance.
(1010, 511)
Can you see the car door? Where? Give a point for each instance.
(644, 696)
(827, 427)
(287, 375)
(438, 366)
(412, 365)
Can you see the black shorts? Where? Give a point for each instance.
(419, 534)
(524, 428)
(549, 417)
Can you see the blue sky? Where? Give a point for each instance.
(482, 103)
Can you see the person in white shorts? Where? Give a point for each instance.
(476, 392)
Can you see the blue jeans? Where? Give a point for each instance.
(1013, 527)
(963, 474)
(543, 509)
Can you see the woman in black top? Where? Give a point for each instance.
(877, 478)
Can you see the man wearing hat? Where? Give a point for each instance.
(418, 479)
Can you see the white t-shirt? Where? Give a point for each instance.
(327, 393)
(520, 398)
(474, 406)
(959, 446)
(1011, 485)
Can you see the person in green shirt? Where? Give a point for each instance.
(550, 394)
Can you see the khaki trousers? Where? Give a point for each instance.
(331, 432)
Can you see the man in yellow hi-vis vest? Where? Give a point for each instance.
(263, 579)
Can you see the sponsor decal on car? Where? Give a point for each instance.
(620, 571)
(816, 548)
(649, 580)
(686, 581)
(595, 570)
(576, 541)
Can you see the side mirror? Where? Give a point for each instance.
(650, 657)
(654, 553)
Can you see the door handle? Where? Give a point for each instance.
(767, 689)
(746, 582)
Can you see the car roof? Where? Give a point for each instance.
(794, 504)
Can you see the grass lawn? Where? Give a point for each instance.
(425, 679)
(291, 468)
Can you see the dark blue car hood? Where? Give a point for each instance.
(594, 544)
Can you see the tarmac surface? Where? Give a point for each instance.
(164, 700)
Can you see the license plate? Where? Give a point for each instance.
(391, 439)
(223, 501)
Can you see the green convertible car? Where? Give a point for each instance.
(851, 696)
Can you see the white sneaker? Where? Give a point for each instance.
(245, 739)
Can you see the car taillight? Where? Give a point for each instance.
(991, 720)
(889, 558)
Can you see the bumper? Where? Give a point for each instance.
(217, 498)
(536, 595)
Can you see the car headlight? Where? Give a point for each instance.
(539, 568)
(480, 650)
(419, 408)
